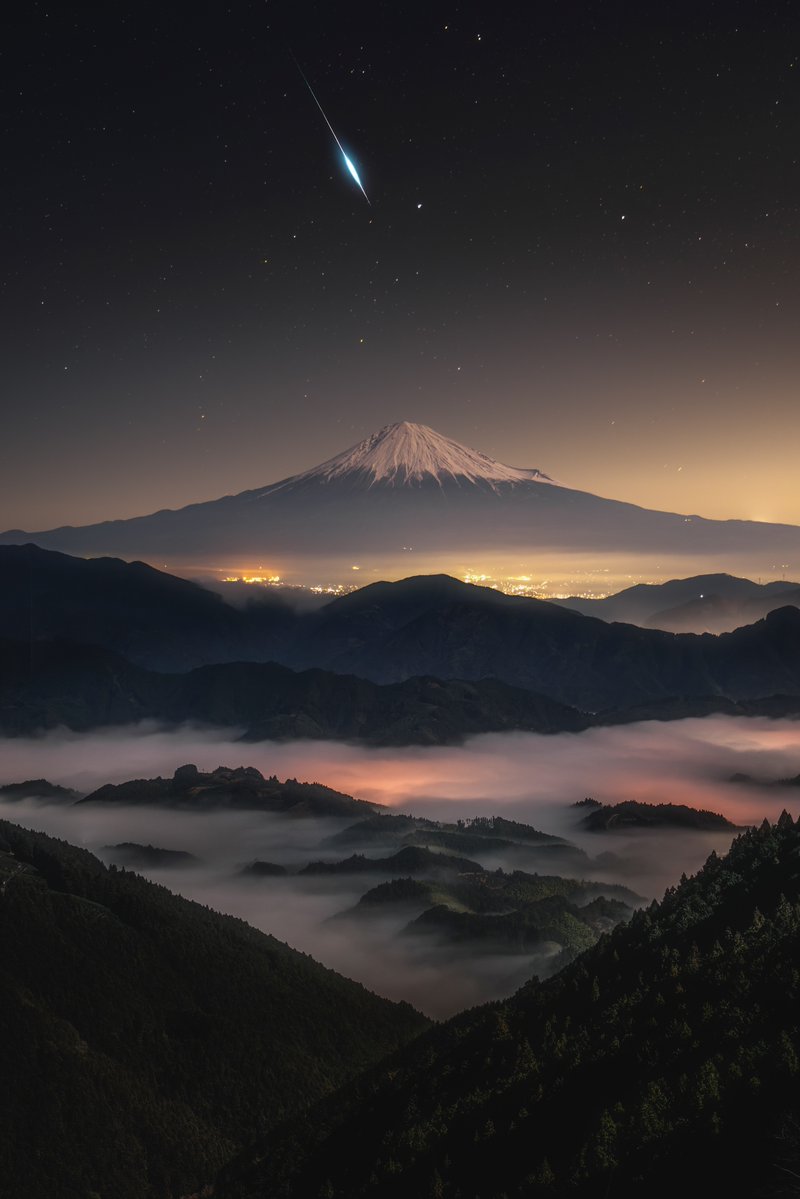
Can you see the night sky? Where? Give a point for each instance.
(581, 252)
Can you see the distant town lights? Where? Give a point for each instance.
(266, 580)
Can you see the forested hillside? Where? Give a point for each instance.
(146, 1039)
(664, 1058)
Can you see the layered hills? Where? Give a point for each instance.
(714, 603)
(663, 1058)
(449, 659)
(52, 684)
(150, 1040)
(494, 912)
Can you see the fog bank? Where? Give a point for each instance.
(529, 777)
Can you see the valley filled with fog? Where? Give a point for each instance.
(523, 777)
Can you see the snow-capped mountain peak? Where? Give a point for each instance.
(407, 453)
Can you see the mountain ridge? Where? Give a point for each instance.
(55, 684)
(440, 641)
(407, 489)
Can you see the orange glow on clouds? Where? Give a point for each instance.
(534, 777)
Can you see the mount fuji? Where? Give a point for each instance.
(408, 488)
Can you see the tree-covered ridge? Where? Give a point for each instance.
(412, 859)
(667, 1056)
(47, 684)
(386, 632)
(631, 813)
(492, 911)
(133, 856)
(147, 1038)
(240, 787)
(482, 835)
(37, 789)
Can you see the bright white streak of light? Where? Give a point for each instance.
(354, 173)
(348, 163)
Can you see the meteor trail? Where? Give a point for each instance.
(347, 162)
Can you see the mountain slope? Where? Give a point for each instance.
(386, 633)
(405, 487)
(147, 615)
(624, 676)
(48, 684)
(666, 1057)
(715, 603)
(145, 1037)
(391, 631)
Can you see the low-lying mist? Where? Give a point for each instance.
(527, 777)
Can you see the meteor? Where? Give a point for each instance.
(347, 161)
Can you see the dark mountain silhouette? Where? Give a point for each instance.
(49, 684)
(134, 856)
(240, 788)
(390, 631)
(484, 837)
(479, 911)
(261, 870)
(38, 789)
(633, 814)
(150, 617)
(412, 859)
(715, 603)
(626, 673)
(402, 632)
(553, 923)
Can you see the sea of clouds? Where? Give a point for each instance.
(528, 777)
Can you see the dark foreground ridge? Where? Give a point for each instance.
(146, 1038)
(663, 1059)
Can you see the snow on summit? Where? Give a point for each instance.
(406, 453)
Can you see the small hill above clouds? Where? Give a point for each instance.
(412, 859)
(631, 814)
(37, 789)
(240, 788)
(134, 856)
